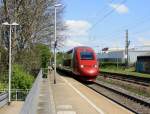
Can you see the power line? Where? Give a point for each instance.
(106, 15)
(133, 26)
(101, 10)
(141, 31)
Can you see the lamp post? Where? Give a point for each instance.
(9, 82)
(55, 41)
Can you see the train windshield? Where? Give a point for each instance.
(86, 56)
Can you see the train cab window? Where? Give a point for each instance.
(86, 56)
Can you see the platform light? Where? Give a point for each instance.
(55, 41)
(9, 82)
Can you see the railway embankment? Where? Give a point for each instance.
(136, 103)
(113, 90)
(138, 84)
(125, 72)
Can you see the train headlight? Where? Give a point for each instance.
(81, 66)
(95, 66)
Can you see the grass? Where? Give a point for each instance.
(129, 87)
(129, 71)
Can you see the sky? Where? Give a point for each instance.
(102, 23)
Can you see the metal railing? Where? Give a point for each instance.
(3, 99)
(31, 102)
(16, 94)
(19, 94)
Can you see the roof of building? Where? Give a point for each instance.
(136, 49)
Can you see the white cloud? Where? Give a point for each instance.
(77, 32)
(77, 28)
(69, 43)
(120, 8)
(144, 41)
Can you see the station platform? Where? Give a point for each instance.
(13, 108)
(68, 96)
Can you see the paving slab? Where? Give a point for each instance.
(13, 108)
(72, 97)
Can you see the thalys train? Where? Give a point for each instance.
(82, 62)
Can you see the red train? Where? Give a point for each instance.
(82, 62)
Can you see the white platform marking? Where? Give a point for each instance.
(66, 112)
(65, 107)
(84, 97)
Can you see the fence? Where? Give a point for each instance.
(31, 102)
(3, 99)
(17, 94)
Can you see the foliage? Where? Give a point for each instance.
(21, 79)
(30, 38)
(2, 86)
(3, 59)
(34, 59)
(111, 65)
(44, 54)
(60, 58)
(36, 20)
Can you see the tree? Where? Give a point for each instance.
(36, 20)
(44, 54)
(33, 37)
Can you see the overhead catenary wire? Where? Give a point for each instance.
(101, 10)
(106, 15)
(130, 27)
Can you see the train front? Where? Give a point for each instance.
(88, 65)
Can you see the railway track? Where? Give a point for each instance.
(133, 102)
(127, 78)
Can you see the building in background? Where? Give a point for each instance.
(118, 54)
(143, 64)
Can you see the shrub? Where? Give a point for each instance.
(20, 78)
(111, 65)
(44, 54)
(2, 86)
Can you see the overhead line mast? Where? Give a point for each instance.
(127, 43)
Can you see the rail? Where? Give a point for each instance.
(128, 78)
(31, 102)
(140, 99)
(124, 97)
(3, 99)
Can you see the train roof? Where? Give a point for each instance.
(81, 47)
(75, 48)
(143, 56)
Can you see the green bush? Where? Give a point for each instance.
(111, 65)
(45, 72)
(34, 59)
(20, 78)
(2, 86)
(44, 54)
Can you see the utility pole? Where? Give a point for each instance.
(126, 49)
